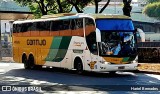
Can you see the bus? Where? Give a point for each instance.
(81, 42)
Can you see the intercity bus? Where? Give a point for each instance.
(90, 42)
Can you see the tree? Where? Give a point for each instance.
(152, 10)
(44, 7)
(127, 7)
(80, 4)
(152, 1)
(103, 8)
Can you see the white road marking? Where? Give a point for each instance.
(154, 76)
(127, 73)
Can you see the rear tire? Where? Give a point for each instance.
(24, 60)
(31, 61)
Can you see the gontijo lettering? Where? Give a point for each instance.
(36, 42)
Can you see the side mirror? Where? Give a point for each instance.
(140, 35)
(98, 35)
(94, 46)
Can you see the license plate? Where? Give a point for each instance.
(121, 67)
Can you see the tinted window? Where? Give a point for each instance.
(66, 24)
(60, 25)
(24, 27)
(43, 26)
(77, 23)
(91, 42)
(14, 28)
(18, 26)
(89, 21)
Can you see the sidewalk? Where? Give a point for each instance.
(7, 59)
(152, 68)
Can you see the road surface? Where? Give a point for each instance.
(66, 82)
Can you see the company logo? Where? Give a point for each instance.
(36, 42)
(6, 88)
(91, 64)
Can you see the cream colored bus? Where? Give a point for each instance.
(90, 42)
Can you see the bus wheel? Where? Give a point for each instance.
(24, 60)
(31, 61)
(79, 66)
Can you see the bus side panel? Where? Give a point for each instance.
(89, 29)
(66, 62)
(39, 57)
(42, 56)
(16, 54)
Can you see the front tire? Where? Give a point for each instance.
(79, 67)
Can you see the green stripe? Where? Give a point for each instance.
(58, 49)
(56, 43)
(52, 54)
(125, 59)
(65, 42)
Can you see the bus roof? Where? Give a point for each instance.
(63, 16)
(109, 16)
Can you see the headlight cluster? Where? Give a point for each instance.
(104, 62)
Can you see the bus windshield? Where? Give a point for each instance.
(117, 37)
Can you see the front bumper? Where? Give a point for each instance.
(118, 67)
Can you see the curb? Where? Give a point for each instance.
(7, 61)
(146, 71)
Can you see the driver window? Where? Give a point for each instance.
(91, 42)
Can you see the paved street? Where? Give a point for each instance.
(56, 81)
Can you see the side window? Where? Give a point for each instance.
(89, 21)
(73, 24)
(60, 25)
(56, 25)
(29, 25)
(53, 26)
(43, 26)
(47, 25)
(24, 27)
(77, 23)
(66, 24)
(91, 42)
(18, 28)
(14, 28)
(33, 27)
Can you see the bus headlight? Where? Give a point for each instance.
(104, 62)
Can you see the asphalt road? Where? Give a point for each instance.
(66, 82)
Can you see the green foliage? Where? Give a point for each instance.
(152, 10)
(44, 7)
(152, 1)
(79, 4)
